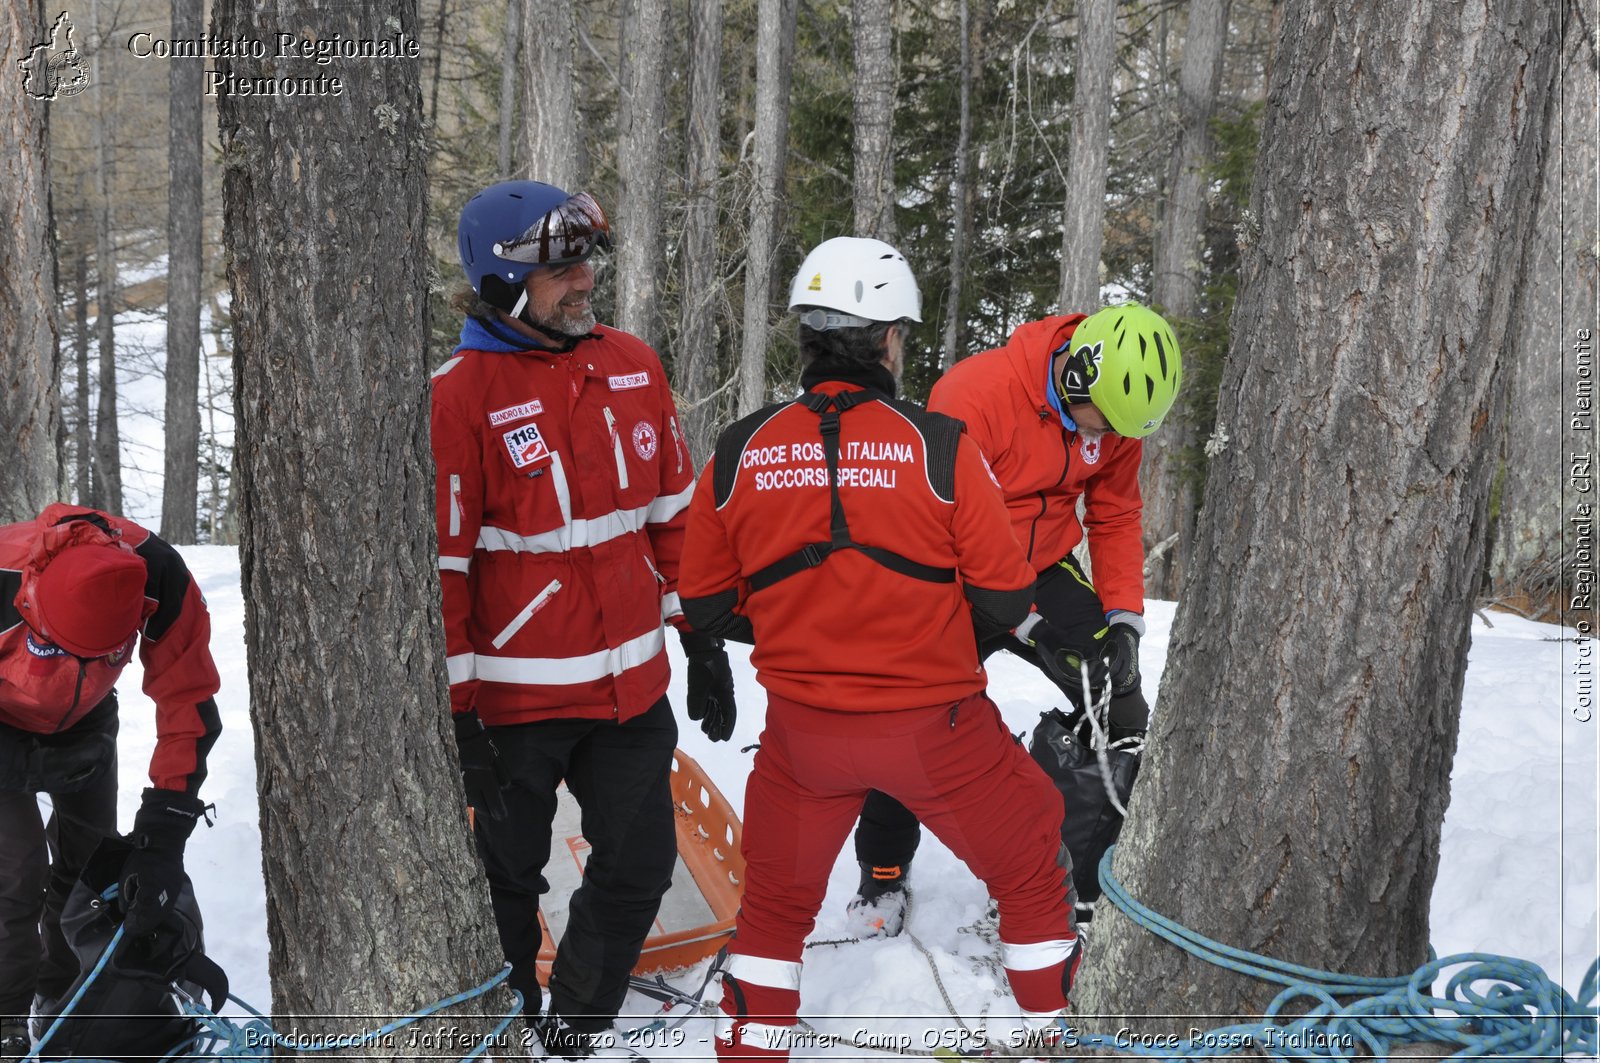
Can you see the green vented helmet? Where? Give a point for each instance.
(1126, 360)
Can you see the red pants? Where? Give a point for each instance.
(963, 774)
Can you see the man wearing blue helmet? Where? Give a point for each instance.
(563, 479)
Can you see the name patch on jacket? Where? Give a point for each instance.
(629, 381)
(532, 408)
(44, 649)
(526, 446)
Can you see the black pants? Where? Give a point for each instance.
(888, 834)
(39, 862)
(620, 775)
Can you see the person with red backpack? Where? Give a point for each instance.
(862, 545)
(1059, 412)
(79, 591)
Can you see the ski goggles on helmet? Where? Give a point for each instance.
(566, 235)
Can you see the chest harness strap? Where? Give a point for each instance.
(829, 407)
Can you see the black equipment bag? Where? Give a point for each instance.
(130, 1010)
(1062, 746)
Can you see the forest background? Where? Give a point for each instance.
(1029, 156)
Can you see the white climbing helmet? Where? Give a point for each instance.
(865, 280)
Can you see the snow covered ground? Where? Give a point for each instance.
(1518, 874)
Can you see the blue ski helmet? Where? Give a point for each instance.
(510, 228)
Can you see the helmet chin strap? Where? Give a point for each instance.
(522, 301)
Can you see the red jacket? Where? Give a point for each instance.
(562, 485)
(1042, 466)
(850, 633)
(44, 689)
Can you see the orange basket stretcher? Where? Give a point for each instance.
(697, 914)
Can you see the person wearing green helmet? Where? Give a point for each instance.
(1059, 413)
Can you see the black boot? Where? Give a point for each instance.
(879, 907)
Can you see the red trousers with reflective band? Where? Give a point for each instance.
(964, 775)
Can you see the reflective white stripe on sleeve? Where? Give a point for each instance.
(1036, 956)
(462, 667)
(666, 507)
(557, 671)
(671, 606)
(761, 970)
(454, 564)
(446, 367)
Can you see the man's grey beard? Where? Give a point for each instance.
(559, 324)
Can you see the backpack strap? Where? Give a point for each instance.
(829, 408)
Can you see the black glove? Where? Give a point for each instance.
(483, 775)
(1066, 661)
(710, 680)
(1121, 651)
(152, 876)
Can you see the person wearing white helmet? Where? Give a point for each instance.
(861, 545)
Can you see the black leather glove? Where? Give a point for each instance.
(710, 680)
(483, 775)
(1066, 661)
(152, 876)
(1121, 651)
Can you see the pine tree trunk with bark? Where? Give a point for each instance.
(552, 147)
(1169, 498)
(960, 194)
(874, 77)
(508, 87)
(83, 429)
(1556, 297)
(703, 293)
(775, 24)
(29, 406)
(376, 902)
(642, 124)
(1083, 216)
(1299, 763)
(181, 482)
(107, 438)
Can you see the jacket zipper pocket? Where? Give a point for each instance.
(653, 570)
(677, 441)
(455, 504)
(540, 600)
(616, 448)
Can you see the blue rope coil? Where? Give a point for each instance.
(1521, 1014)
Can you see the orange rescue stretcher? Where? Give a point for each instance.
(697, 914)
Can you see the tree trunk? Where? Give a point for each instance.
(639, 162)
(107, 440)
(180, 483)
(1299, 764)
(703, 294)
(376, 902)
(83, 430)
(508, 87)
(1556, 297)
(29, 405)
(1084, 214)
(440, 29)
(775, 23)
(552, 148)
(960, 195)
(1169, 502)
(873, 24)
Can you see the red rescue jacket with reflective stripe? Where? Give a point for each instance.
(563, 480)
(1043, 467)
(851, 633)
(44, 689)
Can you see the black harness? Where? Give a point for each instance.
(829, 408)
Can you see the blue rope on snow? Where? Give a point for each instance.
(1522, 1014)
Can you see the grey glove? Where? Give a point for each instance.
(1121, 652)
